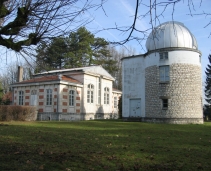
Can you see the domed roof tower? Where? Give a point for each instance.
(164, 85)
(171, 34)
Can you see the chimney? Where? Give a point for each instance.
(20, 74)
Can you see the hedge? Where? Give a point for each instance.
(17, 113)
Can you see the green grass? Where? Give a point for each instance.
(109, 145)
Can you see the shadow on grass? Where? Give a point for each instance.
(104, 145)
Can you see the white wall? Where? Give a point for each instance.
(180, 56)
(95, 107)
(133, 78)
(89, 107)
(107, 108)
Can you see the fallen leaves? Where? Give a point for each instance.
(41, 167)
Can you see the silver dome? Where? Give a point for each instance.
(171, 34)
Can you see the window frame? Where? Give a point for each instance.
(165, 103)
(163, 56)
(20, 97)
(90, 93)
(115, 102)
(164, 74)
(106, 96)
(99, 91)
(71, 98)
(49, 97)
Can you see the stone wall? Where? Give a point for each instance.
(184, 93)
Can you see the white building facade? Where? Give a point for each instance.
(70, 94)
(164, 85)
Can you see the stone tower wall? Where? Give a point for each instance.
(184, 92)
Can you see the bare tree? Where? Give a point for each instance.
(9, 76)
(26, 22)
(155, 11)
(117, 55)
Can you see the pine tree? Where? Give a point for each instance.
(53, 55)
(208, 82)
(79, 49)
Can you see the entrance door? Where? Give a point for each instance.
(135, 107)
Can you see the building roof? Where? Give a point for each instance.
(48, 78)
(171, 34)
(98, 69)
(114, 89)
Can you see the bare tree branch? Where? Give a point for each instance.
(26, 23)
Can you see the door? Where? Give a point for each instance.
(33, 98)
(135, 107)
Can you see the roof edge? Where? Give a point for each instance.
(172, 49)
(133, 56)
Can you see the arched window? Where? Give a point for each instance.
(48, 97)
(21, 93)
(106, 95)
(90, 93)
(71, 97)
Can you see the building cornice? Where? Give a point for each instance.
(163, 50)
(45, 83)
(172, 49)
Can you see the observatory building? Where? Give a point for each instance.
(164, 85)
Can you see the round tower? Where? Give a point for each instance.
(173, 85)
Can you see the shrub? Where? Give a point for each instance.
(17, 113)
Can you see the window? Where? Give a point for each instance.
(33, 92)
(21, 97)
(48, 97)
(164, 73)
(90, 94)
(115, 102)
(164, 103)
(163, 56)
(106, 95)
(99, 92)
(33, 98)
(71, 97)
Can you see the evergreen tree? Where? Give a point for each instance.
(51, 56)
(103, 57)
(80, 49)
(208, 82)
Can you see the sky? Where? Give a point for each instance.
(121, 13)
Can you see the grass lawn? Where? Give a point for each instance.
(109, 145)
